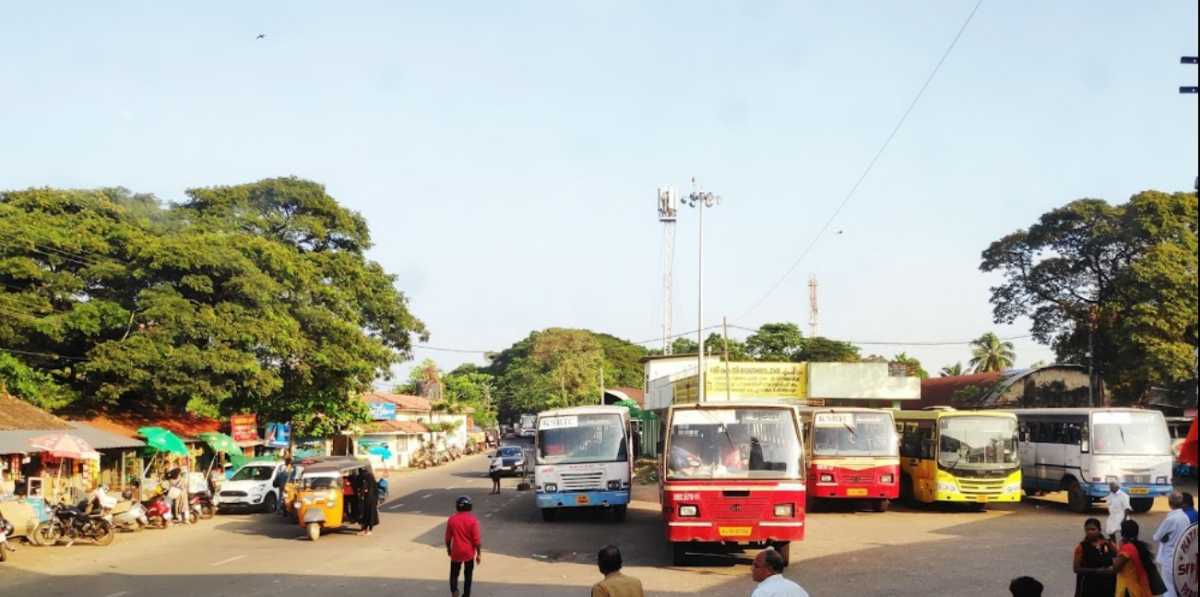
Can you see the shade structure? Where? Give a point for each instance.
(221, 443)
(64, 445)
(163, 440)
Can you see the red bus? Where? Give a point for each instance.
(852, 453)
(732, 473)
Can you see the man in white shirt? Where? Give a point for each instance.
(1118, 509)
(768, 573)
(1167, 536)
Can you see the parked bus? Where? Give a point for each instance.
(732, 473)
(852, 453)
(949, 455)
(1080, 450)
(583, 460)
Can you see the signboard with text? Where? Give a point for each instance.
(739, 381)
(243, 428)
(382, 411)
(278, 434)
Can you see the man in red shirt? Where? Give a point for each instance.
(463, 545)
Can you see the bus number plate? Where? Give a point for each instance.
(981, 499)
(735, 531)
(1139, 490)
(856, 491)
(582, 500)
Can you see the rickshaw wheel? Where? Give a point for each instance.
(314, 531)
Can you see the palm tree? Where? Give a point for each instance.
(952, 370)
(989, 353)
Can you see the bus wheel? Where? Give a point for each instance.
(679, 554)
(619, 512)
(881, 505)
(549, 514)
(314, 531)
(784, 549)
(1141, 505)
(1076, 500)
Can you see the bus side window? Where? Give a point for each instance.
(925, 436)
(1023, 431)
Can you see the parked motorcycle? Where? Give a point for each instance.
(70, 524)
(158, 511)
(201, 506)
(133, 519)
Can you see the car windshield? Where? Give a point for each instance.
(570, 439)
(1130, 433)
(510, 452)
(853, 434)
(319, 482)
(254, 473)
(734, 443)
(977, 442)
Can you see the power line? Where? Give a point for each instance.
(870, 165)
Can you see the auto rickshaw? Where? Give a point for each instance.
(320, 502)
(290, 487)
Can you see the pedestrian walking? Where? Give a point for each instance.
(1093, 563)
(1134, 566)
(368, 506)
(1025, 586)
(615, 583)
(494, 473)
(464, 545)
(1167, 535)
(767, 571)
(1118, 510)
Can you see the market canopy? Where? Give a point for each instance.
(219, 442)
(163, 440)
(64, 445)
(635, 411)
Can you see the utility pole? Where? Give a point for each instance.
(1191, 90)
(668, 209)
(812, 305)
(700, 200)
(725, 335)
(1093, 317)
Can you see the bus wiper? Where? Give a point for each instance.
(1122, 431)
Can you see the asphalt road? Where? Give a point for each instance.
(904, 552)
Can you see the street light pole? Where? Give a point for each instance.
(700, 200)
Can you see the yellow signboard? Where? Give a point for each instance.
(740, 381)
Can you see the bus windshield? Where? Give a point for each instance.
(573, 439)
(725, 443)
(977, 442)
(1130, 433)
(853, 434)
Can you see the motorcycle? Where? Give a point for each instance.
(72, 524)
(6, 530)
(133, 519)
(201, 506)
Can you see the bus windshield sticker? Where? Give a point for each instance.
(707, 416)
(834, 420)
(1117, 418)
(562, 422)
(866, 418)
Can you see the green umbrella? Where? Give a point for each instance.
(219, 442)
(163, 440)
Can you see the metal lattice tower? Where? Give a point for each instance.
(812, 306)
(668, 208)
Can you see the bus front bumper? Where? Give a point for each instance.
(1135, 490)
(582, 499)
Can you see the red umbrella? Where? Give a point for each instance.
(64, 445)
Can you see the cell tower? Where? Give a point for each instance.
(668, 208)
(812, 305)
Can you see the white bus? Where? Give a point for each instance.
(528, 426)
(1081, 450)
(582, 459)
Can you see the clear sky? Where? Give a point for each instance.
(506, 154)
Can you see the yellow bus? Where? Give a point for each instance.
(949, 455)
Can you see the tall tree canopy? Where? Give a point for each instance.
(1129, 270)
(989, 353)
(254, 297)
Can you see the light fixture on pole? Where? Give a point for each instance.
(700, 200)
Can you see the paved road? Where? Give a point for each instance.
(902, 552)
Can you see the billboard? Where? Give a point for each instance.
(278, 435)
(382, 411)
(742, 381)
(861, 381)
(243, 428)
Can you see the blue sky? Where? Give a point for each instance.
(507, 154)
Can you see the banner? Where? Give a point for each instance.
(243, 428)
(382, 411)
(278, 434)
(740, 381)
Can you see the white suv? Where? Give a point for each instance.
(257, 485)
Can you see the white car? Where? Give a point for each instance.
(257, 485)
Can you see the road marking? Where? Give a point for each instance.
(117, 594)
(427, 496)
(395, 507)
(228, 560)
(489, 514)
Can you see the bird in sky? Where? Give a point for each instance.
(261, 36)
(840, 231)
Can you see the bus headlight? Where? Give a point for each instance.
(614, 485)
(826, 478)
(941, 486)
(784, 510)
(550, 487)
(1012, 488)
(887, 478)
(689, 510)
(1161, 480)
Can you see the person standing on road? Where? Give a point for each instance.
(1132, 562)
(615, 584)
(767, 571)
(494, 473)
(1118, 509)
(368, 506)
(464, 545)
(1167, 536)
(1093, 563)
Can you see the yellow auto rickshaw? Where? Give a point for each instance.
(321, 500)
(290, 487)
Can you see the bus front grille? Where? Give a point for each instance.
(1137, 478)
(582, 481)
(981, 486)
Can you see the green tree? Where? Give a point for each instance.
(912, 364)
(952, 370)
(989, 353)
(715, 344)
(35, 387)
(1126, 274)
(824, 350)
(775, 342)
(684, 345)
